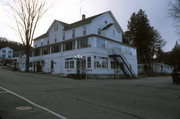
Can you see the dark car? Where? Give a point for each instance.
(176, 77)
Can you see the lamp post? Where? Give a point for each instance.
(78, 65)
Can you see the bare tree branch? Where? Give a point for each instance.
(26, 14)
(174, 12)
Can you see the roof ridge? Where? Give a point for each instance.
(84, 21)
(91, 17)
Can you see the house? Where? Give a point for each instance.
(92, 47)
(157, 68)
(6, 55)
(19, 61)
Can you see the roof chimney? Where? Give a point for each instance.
(83, 17)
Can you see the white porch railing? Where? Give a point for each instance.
(113, 51)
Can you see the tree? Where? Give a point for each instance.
(26, 14)
(176, 56)
(4, 42)
(143, 36)
(174, 12)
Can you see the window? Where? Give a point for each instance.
(69, 45)
(9, 51)
(3, 51)
(84, 43)
(100, 62)
(9, 56)
(48, 42)
(104, 62)
(89, 62)
(55, 28)
(73, 33)
(69, 63)
(41, 42)
(55, 48)
(36, 51)
(63, 35)
(3, 56)
(45, 50)
(55, 40)
(66, 64)
(84, 30)
(105, 22)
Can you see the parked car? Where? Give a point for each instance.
(176, 77)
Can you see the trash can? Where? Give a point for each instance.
(176, 77)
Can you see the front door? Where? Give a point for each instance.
(52, 66)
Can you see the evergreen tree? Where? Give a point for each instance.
(143, 36)
(176, 56)
(4, 42)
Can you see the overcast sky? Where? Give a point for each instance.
(70, 11)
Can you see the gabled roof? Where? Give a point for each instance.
(82, 22)
(42, 36)
(46, 34)
(69, 26)
(116, 22)
(63, 23)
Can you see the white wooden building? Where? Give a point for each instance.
(6, 53)
(91, 46)
(157, 68)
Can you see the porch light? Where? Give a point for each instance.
(78, 56)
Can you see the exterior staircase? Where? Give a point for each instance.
(121, 60)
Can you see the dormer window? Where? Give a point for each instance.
(84, 30)
(41, 42)
(55, 28)
(73, 33)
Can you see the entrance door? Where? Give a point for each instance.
(83, 68)
(38, 66)
(52, 66)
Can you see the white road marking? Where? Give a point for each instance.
(34, 104)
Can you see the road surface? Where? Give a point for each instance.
(52, 97)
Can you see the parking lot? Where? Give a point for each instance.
(43, 96)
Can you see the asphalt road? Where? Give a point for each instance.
(52, 97)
